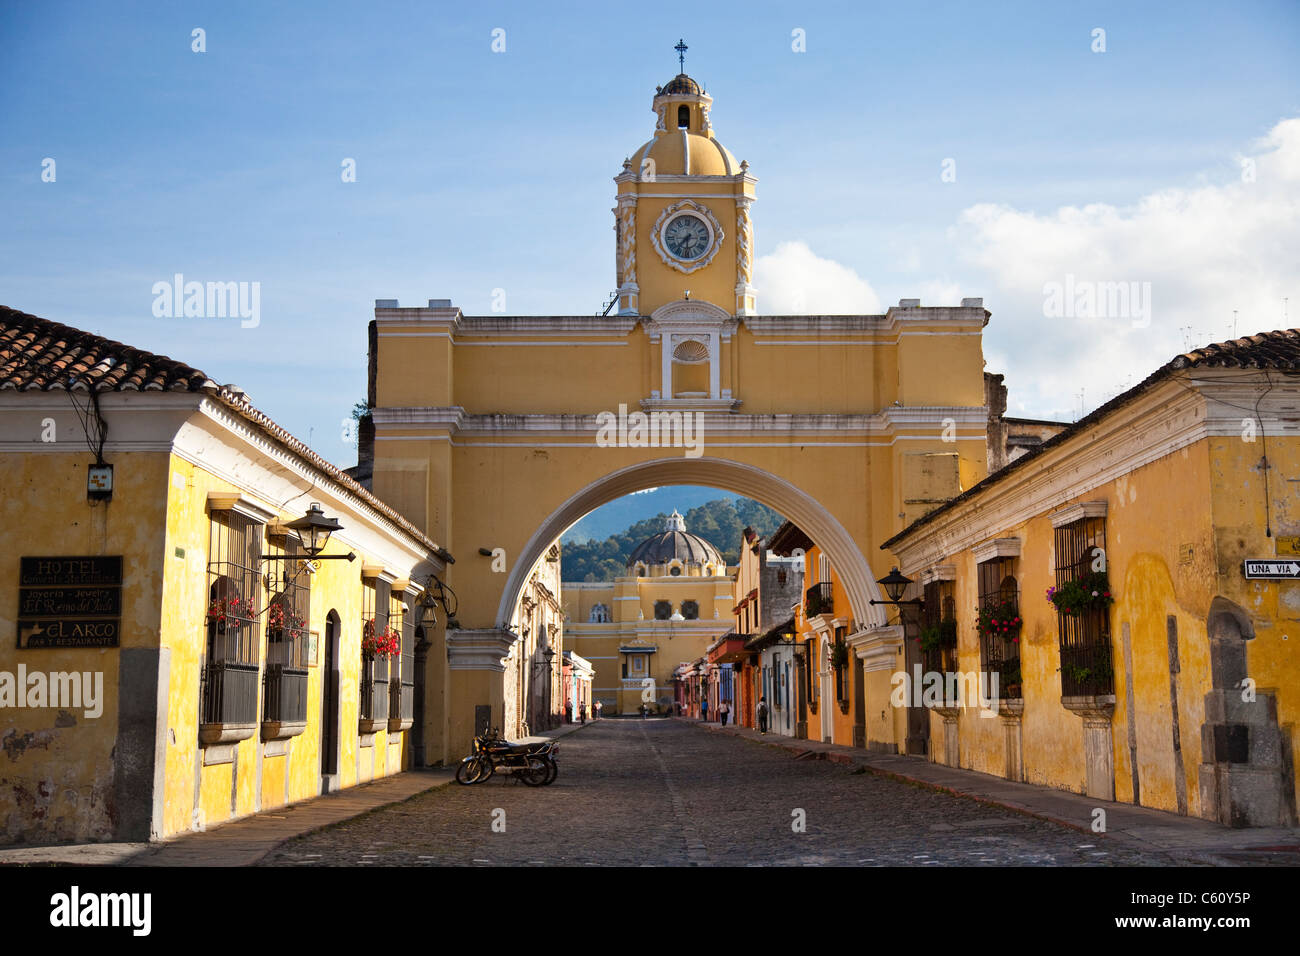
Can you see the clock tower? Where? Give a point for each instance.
(682, 222)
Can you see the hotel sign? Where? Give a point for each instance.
(70, 602)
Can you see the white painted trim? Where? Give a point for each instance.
(997, 548)
(939, 572)
(1077, 512)
(241, 504)
(1172, 416)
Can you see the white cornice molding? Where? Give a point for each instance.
(895, 322)
(287, 472)
(939, 572)
(1168, 418)
(242, 504)
(878, 647)
(687, 315)
(888, 422)
(479, 649)
(997, 548)
(1077, 512)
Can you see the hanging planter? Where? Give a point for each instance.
(385, 643)
(1077, 597)
(943, 634)
(839, 654)
(999, 619)
(231, 612)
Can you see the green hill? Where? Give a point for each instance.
(719, 522)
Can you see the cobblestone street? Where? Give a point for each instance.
(664, 792)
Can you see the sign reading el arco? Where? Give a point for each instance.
(70, 602)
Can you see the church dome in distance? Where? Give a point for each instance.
(675, 543)
(681, 83)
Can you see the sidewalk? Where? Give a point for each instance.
(244, 841)
(1183, 839)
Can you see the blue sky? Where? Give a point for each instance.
(479, 170)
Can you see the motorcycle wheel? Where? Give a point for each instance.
(471, 770)
(554, 769)
(537, 773)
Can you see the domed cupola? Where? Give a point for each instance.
(675, 551)
(682, 226)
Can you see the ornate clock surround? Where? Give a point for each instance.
(701, 211)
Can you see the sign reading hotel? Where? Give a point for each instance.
(70, 602)
(1283, 569)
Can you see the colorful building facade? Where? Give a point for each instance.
(195, 660)
(1158, 670)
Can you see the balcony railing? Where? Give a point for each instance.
(819, 599)
(1000, 641)
(1086, 656)
(229, 693)
(285, 698)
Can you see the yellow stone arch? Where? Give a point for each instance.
(814, 519)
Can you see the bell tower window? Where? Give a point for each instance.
(683, 117)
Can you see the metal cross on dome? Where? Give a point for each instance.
(681, 49)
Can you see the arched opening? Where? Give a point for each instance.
(683, 117)
(775, 492)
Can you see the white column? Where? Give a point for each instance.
(715, 366)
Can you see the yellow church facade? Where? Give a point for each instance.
(675, 600)
(495, 433)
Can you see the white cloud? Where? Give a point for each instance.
(1204, 251)
(793, 280)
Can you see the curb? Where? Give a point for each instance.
(850, 760)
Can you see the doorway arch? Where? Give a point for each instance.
(769, 489)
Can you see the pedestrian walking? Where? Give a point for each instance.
(704, 710)
(598, 709)
(762, 715)
(582, 711)
(724, 710)
(568, 711)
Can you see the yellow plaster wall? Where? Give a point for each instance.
(336, 585)
(56, 769)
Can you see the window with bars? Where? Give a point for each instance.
(232, 653)
(939, 627)
(288, 616)
(375, 633)
(999, 623)
(401, 687)
(1084, 634)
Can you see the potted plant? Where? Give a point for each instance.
(279, 618)
(839, 654)
(385, 643)
(1011, 676)
(1001, 618)
(1081, 595)
(229, 612)
(943, 634)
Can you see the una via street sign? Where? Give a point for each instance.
(1285, 569)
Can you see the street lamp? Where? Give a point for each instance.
(313, 531)
(895, 584)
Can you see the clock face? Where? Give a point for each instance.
(687, 237)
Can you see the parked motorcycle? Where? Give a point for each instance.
(534, 764)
